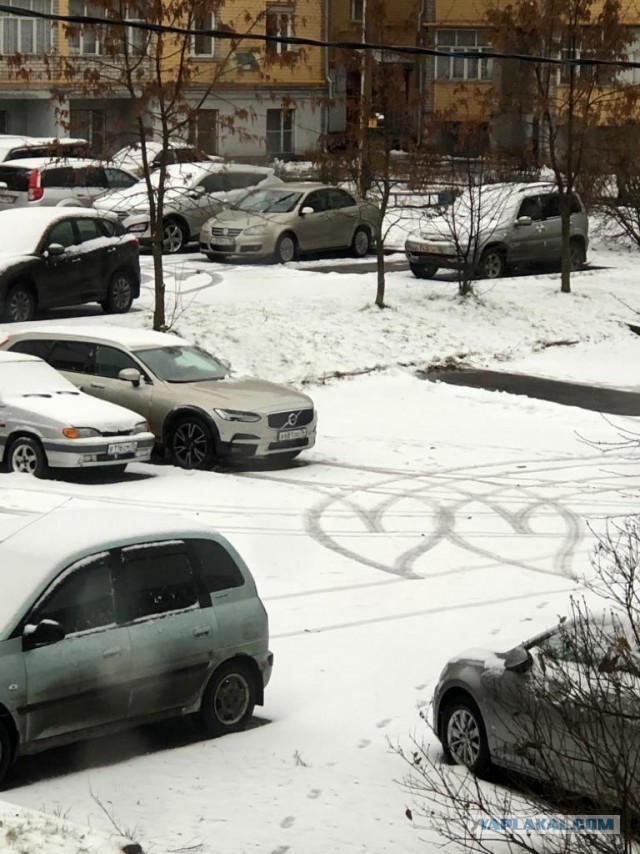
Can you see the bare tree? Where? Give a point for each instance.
(569, 103)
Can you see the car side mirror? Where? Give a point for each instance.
(54, 249)
(307, 209)
(45, 633)
(3, 185)
(518, 660)
(524, 220)
(131, 375)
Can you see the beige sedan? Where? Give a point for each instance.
(285, 222)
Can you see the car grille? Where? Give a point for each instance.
(282, 419)
(288, 445)
(225, 232)
(109, 433)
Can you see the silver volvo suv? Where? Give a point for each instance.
(498, 226)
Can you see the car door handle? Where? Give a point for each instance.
(95, 385)
(112, 653)
(202, 632)
(76, 260)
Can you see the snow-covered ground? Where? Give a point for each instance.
(427, 519)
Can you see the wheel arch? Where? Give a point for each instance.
(287, 232)
(491, 245)
(455, 693)
(22, 280)
(179, 219)
(185, 410)
(20, 433)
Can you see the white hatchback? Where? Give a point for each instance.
(46, 421)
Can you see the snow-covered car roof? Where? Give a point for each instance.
(21, 219)
(34, 551)
(58, 162)
(8, 356)
(135, 339)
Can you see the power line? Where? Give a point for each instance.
(297, 41)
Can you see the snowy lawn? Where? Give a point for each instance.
(427, 519)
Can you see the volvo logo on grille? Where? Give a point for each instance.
(292, 420)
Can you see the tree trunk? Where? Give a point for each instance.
(565, 218)
(380, 272)
(159, 319)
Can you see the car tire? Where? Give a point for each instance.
(229, 699)
(26, 455)
(20, 304)
(191, 443)
(119, 294)
(6, 750)
(361, 243)
(173, 237)
(493, 264)
(464, 737)
(423, 271)
(576, 256)
(286, 248)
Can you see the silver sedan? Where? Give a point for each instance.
(46, 421)
(285, 222)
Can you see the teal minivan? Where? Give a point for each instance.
(110, 618)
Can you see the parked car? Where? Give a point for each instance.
(196, 409)
(496, 227)
(14, 147)
(65, 256)
(193, 192)
(539, 709)
(109, 619)
(130, 157)
(284, 222)
(43, 182)
(45, 421)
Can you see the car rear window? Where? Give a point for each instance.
(37, 347)
(60, 176)
(16, 178)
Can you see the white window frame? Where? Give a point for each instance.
(282, 131)
(28, 36)
(206, 23)
(284, 15)
(457, 66)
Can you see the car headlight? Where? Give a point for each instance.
(256, 230)
(79, 432)
(142, 427)
(138, 228)
(236, 415)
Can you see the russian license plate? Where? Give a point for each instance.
(286, 435)
(223, 241)
(117, 450)
(7, 199)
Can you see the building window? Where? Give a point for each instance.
(204, 45)
(279, 22)
(280, 131)
(203, 131)
(603, 75)
(84, 39)
(458, 66)
(25, 35)
(357, 10)
(89, 125)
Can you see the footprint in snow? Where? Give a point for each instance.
(383, 723)
(314, 793)
(289, 821)
(364, 742)
(281, 849)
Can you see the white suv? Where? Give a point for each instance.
(43, 182)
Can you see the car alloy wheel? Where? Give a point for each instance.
(229, 699)
(120, 294)
(20, 305)
(173, 238)
(463, 737)
(286, 249)
(27, 457)
(361, 243)
(192, 444)
(493, 264)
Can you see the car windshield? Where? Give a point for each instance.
(182, 364)
(269, 201)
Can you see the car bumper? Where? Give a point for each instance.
(109, 451)
(245, 245)
(420, 257)
(243, 440)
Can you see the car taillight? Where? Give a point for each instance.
(35, 190)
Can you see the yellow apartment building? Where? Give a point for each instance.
(268, 98)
